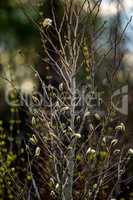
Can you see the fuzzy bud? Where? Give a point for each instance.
(114, 142)
(37, 151)
(47, 22)
(77, 135)
(130, 151)
(33, 121)
(120, 127)
(97, 116)
(61, 87)
(33, 139)
(87, 114)
(90, 151)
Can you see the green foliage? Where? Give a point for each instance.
(7, 171)
(13, 160)
(14, 23)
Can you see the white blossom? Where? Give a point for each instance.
(47, 22)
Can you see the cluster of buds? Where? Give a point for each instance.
(90, 151)
(47, 22)
(33, 139)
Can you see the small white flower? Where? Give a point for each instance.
(47, 22)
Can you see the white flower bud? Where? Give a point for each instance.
(78, 118)
(97, 116)
(70, 129)
(52, 135)
(57, 186)
(90, 151)
(116, 151)
(104, 140)
(37, 151)
(130, 151)
(47, 22)
(33, 139)
(120, 127)
(33, 121)
(36, 75)
(87, 114)
(76, 135)
(64, 109)
(57, 104)
(61, 86)
(52, 181)
(52, 194)
(114, 142)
